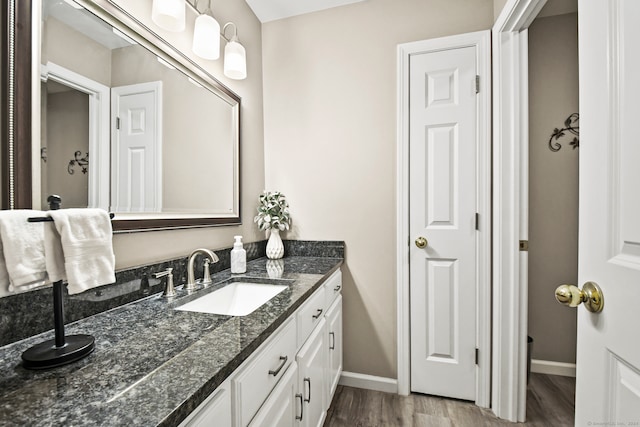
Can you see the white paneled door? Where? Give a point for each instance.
(137, 148)
(608, 353)
(443, 188)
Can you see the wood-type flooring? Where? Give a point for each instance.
(550, 403)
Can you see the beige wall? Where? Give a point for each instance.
(138, 248)
(67, 131)
(497, 8)
(330, 144)
(553, 185)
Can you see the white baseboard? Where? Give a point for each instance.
(553, 368)
(369, 382)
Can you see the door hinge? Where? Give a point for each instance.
(117, 122)
(477, 355)
(477, 221)
(477, 84)
(524, 245)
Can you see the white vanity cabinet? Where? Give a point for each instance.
(334, 346)
(254, 380)
(310, 315)
(215, 410)
(311, 377)
(290, 379)
(283, 408)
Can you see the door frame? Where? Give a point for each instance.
(510, 206)
(99, 132)
(481, 41)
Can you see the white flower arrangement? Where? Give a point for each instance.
(273, 212)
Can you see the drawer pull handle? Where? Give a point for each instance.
(277, 371)
(308, 399)
(337, 288)
(318, 314)
(299, 395)
(333, 341)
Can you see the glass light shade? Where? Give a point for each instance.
(206, 38)
(235, 60)
(169, 14)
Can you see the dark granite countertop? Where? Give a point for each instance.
(152, 365)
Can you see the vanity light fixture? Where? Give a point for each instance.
(165, 63)
(235, 57)
(170, 15)
(206, 43)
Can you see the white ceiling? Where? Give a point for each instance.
(271, 10)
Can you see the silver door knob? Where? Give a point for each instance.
(573, 296)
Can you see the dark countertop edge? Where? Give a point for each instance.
(177, 415)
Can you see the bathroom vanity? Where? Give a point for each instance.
(290, 380)
(158, 366)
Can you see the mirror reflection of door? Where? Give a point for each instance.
(65, 131)
(137, 148)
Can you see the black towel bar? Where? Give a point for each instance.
(49, 219)
(63, 349)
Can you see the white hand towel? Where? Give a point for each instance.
(53, 253)
(22, 264)
(86, 236)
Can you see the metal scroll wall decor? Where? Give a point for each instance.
(83, 162)
(571, 126)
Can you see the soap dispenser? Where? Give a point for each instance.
(238, 257)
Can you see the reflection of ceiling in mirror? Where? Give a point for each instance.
(86, 23)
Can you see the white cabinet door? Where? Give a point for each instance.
(311, 377)
(282, 408)
(215, 410)
(334, 346)
(255, 380)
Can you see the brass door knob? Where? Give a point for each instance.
(421, 242)
(573, 296)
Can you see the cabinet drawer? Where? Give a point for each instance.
(333, 287)
(215, 410)
(282, 408)
(310, 314)
(254, 382)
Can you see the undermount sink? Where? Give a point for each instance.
(235, 299)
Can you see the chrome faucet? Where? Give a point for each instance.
(191, 281)
(169, 290)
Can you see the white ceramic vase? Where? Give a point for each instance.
(275, 248)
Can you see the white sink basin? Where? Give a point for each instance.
(235, 299)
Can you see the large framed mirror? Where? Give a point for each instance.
(105, 113)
